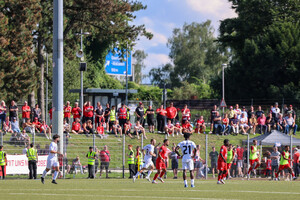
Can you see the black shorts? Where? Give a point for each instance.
(104, 165)
(106, 119)
(214, 165)
(174, 164)
(150, 121)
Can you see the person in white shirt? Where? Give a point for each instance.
(52, 160)
(169, 128)
(244, 124)
(148, 152)
(139, 129)
(237, 111)
(275, 112)
(188, 149)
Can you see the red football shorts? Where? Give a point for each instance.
(160, 165)
(282, 167)
(222, 166)
(253, 161)
(229, 165)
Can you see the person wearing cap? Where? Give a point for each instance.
(290, 124)
(244, 111)
(15, 125)
(25, 112)
(139, 112)
(91, 155)
(275, 111)
(13, 111)
(296, 158)
(290, 110)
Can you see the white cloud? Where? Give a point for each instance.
(155, 60)
(218, 8)
(157, 40)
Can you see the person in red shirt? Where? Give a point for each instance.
(200, 125)
(122, 115)
(261, 121)
(104, 159)
(296, 159)
(127, 128)
(171, 113)
(50, 114)
(225, 125)
(25, 112)
(36, 124)
(285, 156)
(268, 166)
(187, 127)
(88, 112)
(44, 128)
(161, 118)
(177, 128)
(67, 112)
(76, 127)
(222, 162)
(240, 160)
(160, 161)
(186, 114)
(76, 111)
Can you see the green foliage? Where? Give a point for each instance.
(17, 20)
(195, 53)
(265, 41)
(199, 89)
(161, 75)
(145, 92)
(139, 56)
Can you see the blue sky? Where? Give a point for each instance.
(162, 16)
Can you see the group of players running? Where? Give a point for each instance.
(188, 150)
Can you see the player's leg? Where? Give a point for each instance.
(184, 178)
(56, 168)
(156, 175)
(191, 168)
(291, 172)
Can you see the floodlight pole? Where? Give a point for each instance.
(126, 100)
(58, 71)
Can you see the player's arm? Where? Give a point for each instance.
(152, 154)
(222, 155)
(177, 152)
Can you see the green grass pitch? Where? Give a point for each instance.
(126, 189)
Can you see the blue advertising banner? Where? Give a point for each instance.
(115, 66)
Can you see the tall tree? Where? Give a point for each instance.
(17, 20)
(195, 53)
(265, 41)
(161, 75)
(139, 56)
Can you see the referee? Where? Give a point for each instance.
(32, 160)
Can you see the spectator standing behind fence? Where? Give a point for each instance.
(2, 113)
(130, 161)
(91, 155)
(275, 111)
(99, 115)
(253, 123)
(3, 163)
(171, 113)
(104, 159)
(213, 114)
(139, 112)
(250, 113)
(76, 111)
(67, 112)
(185, 114)
(13, 111)
(290, 124)
(150, 119)
(106, 116)
(36, 112)
(112, 117)
(213, 155)
(217, 124)
(237, 111)
(122, 115)
(259, 112)
(239, 152)
(290, 110)
(32, 161)
(88, 112)
(244, 111)
(25, 112)
(160, 115)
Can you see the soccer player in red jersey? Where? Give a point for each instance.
(284, 162)
(160, 161)
(222, 162)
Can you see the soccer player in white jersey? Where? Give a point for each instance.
(52, 160)
(148, 152)
(188, 149)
